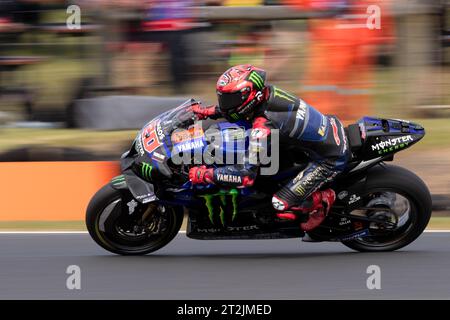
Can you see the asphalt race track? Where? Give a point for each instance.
(33, 266)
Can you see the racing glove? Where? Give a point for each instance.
(228, 176)
(201, 175)
(205, 112)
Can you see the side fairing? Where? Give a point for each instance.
(383, 137)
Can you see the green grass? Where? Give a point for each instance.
(435, 223)
(437, 133)
(76, 225)
(54, 81)
(97, 141)
(394, 98)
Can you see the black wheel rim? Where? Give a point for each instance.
(396, 212)
(124, 237)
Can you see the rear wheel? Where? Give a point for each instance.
(121, 225)
(400, 201)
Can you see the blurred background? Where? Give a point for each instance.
(77, 78)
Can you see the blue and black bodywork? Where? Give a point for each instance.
(151, 174)
(383, 137)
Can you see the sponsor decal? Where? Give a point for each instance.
(160, 131)
(146, 170)
(353, 199)
(256, 79)
(209, 230)
(150, 138)
(146, 198)
(225, 79)
(298, 177)
(138, 147)
(344, 221)
(142, 196)
(234, 116)
(300, 189)
(355, 235)
(335, 132)
(229, 228)
(189, 145)
(323, 126)
(344, 137)
(131, 206)
(158, 156)
(229, 178)
(278, 204)
(247, 107)
(217, 204)
(233, 74)
(283, 95)
(181, 135)
(301, 112)
(243, 228)
(118, 180)
(321, 131)
(259, 96)
(392, 144)
(341, 195)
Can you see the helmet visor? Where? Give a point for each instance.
(230, 101)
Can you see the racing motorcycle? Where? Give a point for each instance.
(379, 207)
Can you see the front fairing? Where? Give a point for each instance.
(153, 144)
(175, 135)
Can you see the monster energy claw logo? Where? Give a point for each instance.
(118, 180)
(221, 195)
(146, 171)
(283, 94)
(257, 79)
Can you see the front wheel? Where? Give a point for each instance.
(121, 225)
(401, 201)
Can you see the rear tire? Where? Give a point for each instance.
(111, 241)
(411, 186)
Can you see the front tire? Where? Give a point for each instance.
(111, 225)
(405, 183)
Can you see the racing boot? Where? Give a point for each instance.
(322, 202)
(318, 206)
(289, 211)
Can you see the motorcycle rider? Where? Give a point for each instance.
(244, 95)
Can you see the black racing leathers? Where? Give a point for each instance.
(321, 137)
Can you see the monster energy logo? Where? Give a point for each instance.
(118, 180)
(146, 171)
(257, 79)
(283, 94)
(235, 116)
(391, 149)
(222, 204)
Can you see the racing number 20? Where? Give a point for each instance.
(150, 139)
